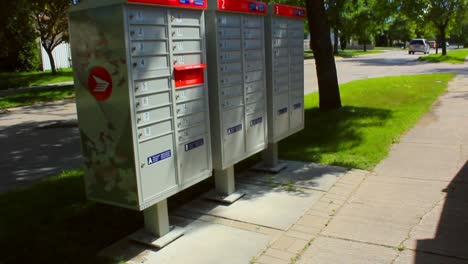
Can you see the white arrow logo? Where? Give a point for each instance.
(101, 86)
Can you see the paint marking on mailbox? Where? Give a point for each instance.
(159, 157)
(100, 83)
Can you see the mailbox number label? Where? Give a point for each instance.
(195, 144)
(235, 129)
(146, 116)
(282, 111)
(256, 121)
(159, 157)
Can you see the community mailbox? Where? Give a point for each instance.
(235, 35)
(285, 76)
(142, 99)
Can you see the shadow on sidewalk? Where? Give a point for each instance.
(451, 235)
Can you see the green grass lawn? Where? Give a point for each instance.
(33, 97)
(51, 221)
(344, 53)
(28, 79)
(355, 53)
(375, 113)
(308, 54)
(453, 56)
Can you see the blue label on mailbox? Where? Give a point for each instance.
(252, 7)
(261, 8)
(282, 111)
(158, 157)
(192, 2)
(256, 121)
(297, 106)
(195, 144)
(235, 129)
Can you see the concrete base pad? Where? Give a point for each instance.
(300, 174)
(261, 167)
(144, 237)
(275, 206)
(202, 242)
(224, 199)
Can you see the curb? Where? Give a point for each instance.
(12, 91)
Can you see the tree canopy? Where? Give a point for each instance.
(51, 24)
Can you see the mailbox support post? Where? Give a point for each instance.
(157, 232)
(225, 187)
(225, 181)
(271, 163)
(157, 219)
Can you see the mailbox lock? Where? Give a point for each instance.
(138, 104)
(139, 119)
(143, 165)
(140, 135)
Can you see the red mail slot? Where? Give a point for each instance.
(190, 74)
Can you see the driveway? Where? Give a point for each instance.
(43, 140)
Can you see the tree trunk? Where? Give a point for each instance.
(335, 41)
(51, 60)
(329, 92)
(444, 41)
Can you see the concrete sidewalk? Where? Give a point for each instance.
(413, 208)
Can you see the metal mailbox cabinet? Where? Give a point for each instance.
(285, 76)
(142, 99)
(235, 35)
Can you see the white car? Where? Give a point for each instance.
(419, 45)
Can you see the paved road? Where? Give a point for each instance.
(390, 63)
(40, 140)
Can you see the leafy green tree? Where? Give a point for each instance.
(19, 50)
(51, 24)
(440, 13)
(401, 29)
(336, 11)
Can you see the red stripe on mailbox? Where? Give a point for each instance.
(244, 6)
(190, 74)
(289, 11)
(194, 4)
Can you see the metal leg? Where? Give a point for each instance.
(225, 187)
(270, 163)
(270, 155)
(157, 219)
(157, 232)
(224, 181)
